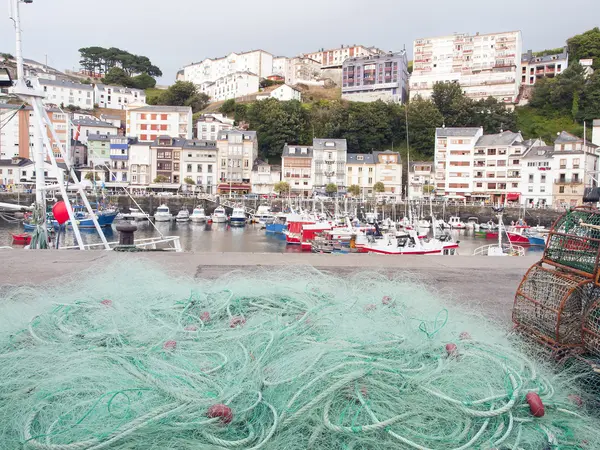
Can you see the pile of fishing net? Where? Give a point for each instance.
(133, 358)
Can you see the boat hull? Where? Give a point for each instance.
(198, 219)
(162, 218)
(21, 239)
(237, 221)
(277, 228)
(104, 220)
(512, 237)
(537, 241)
(219, 219)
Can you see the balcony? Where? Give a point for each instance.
(574, 180)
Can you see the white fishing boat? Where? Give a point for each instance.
(198, 215)
(371, 217)
(456, 223)
(500, 248)
(238, 217)
(263, 215)
(135, 214)
(423, 223)
(163, 214)
(407, 244)
(183, 216)
(472, 223)
(219, 215)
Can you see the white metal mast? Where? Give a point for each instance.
(29, 90)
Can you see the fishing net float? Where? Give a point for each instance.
(133, 358)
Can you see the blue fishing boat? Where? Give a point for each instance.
(105, 219)
(275, 227)
(238, 217)
(536, 239)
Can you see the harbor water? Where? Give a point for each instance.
(216, 237)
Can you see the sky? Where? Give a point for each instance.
(178, 32)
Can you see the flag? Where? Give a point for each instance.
(77, 132)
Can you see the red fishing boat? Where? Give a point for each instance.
(21, 239)
(515, 236)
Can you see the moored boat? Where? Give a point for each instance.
(163, 214)
(219, 215)
(21, 239)
(183, 215)
(198, 215)
(238, 217)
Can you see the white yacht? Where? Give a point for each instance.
(163, 214)
(238, 217)
(263, 215)
(198, 215)
(219, 215)
(183, 215)
(136, 214)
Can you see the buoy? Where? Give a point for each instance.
(106, 302)
(60, 213)
(451, 349)
(236, 320)
(222, 411)
(535, 404)
(464, 336)
(205, 317)
(386, 300)
(191, 328)
(370, 307)
(170, 345)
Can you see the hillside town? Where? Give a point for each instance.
(115, 139)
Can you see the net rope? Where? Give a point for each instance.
(132, 357)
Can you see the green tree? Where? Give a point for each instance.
(423, 118)
(331, 188)
(282, 187)
(183, 93)
(492, 115)
(228, 107)
(189, 181)
(143, 81)
(589, 104)
(555, 96)
(161, 179)
(92, 176)
(278, 123)
(447, 97)
(379, 187)
(101, 60)
(117, 76)
(354, 190)
(585, 46)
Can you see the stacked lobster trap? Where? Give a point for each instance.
(558, 300)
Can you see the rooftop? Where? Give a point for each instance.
(452, 132)
(103, 87)
(297, 151)
(504, 138)
(224, 134)
(15, 162)
(92, 123)
(162, 108)
(360, 158)
(66, 84)
(200, 144)
(333, 144)
(100, 137)
(542, 151)
(421, 163)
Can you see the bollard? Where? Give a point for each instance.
(126, 231)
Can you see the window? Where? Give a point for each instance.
(370, 180)
(189, 167)
(153, 117)
(561, 189)
(223, 163)
(542, 188)
(163, 117)
(531, 178)
(563, 163)
(143, 137)
(370, 170)
(530, 189)
(576, 163)
(543, 178)
(10, 171)
(515, 185)
(209, 168)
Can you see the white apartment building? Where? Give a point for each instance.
(280, 66)
(281, 92)
(388, 170)
(454, 148)
(264, 177)
(534, 68)
(149, 122)
(9, 131)
(200, 163)
(235, 85)
(65, 93)
(140, 164)
(237, 152)
(303, 70)
(497, 167)
(574, 164)
(257, 62)
(485, 65)
(329, 164)
(361, 172)
(296, 169)
(336, 56)
(118, 97)
(420, 179)
(210, 125)
(82, 128)
(26, 172)
(537, 177)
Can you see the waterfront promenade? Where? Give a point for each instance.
(486, 284)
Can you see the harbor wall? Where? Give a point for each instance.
(149, 203)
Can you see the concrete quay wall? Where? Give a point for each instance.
(149, 203)
(482, 285)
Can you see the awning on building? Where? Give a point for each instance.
(164, 185)
(513, 196)
(234, 187)
(115, 184)
(480, 196)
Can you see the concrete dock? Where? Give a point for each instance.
(486, 285)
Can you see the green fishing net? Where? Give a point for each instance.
(131, 357)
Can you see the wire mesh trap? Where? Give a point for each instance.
(550, 304)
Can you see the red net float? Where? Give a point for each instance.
(221, 411)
